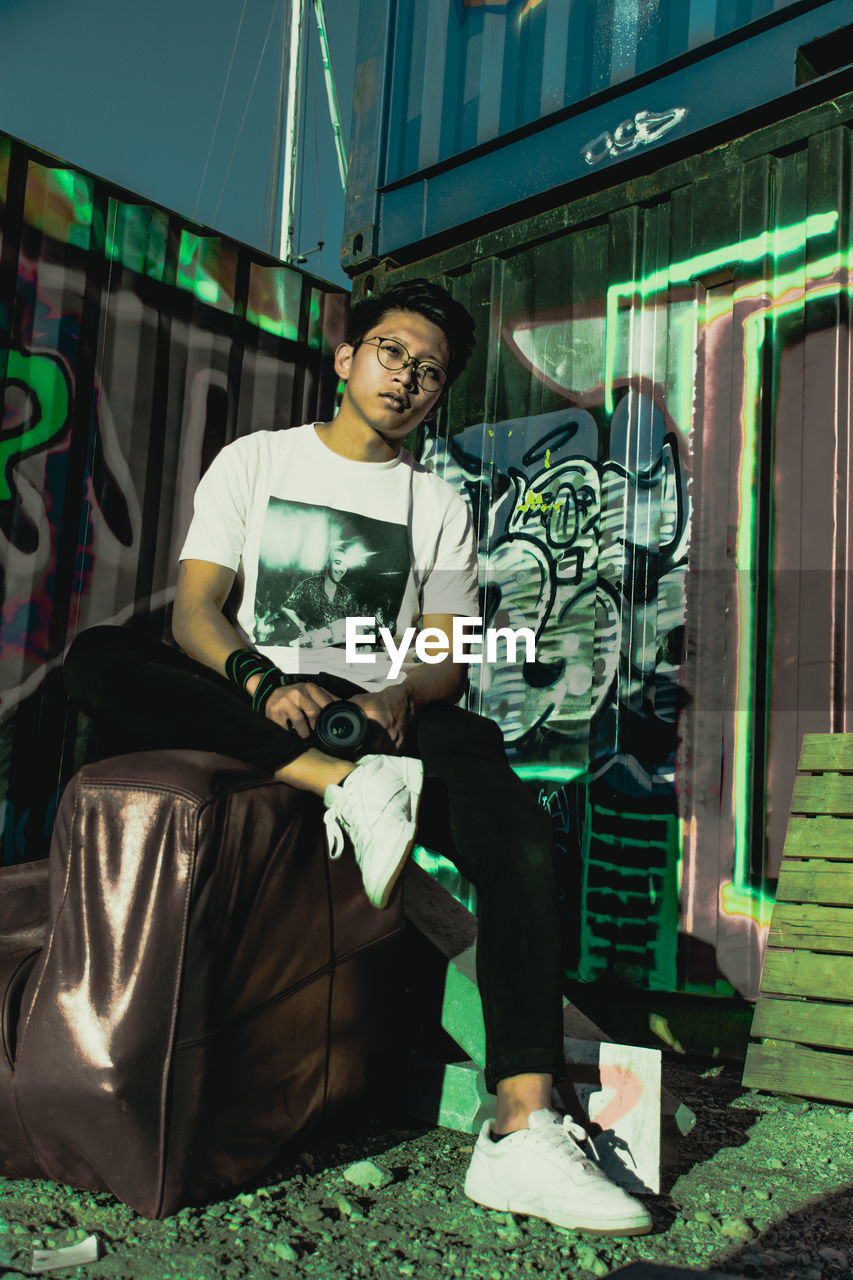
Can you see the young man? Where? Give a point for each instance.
(275, 508)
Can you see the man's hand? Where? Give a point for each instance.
(297, 706)
(391, 709)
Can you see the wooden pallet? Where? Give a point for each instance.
(803, 1023)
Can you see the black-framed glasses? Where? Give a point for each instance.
(393, 355)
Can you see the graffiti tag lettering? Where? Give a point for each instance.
(46, 390)
(645, 127)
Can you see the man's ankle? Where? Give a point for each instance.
(314, 771)
(503, 1127)
(518, 1096)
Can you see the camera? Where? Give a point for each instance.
(340, 729)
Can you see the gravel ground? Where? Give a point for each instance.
(763, 1186)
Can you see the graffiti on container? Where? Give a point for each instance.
(584, 552)
(36, 396)
(116, 390)
(643, 128)
(585, 519)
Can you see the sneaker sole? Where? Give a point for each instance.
(413, 776)
(507, 1204)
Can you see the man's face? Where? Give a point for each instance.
(337, 567)
(392, 402)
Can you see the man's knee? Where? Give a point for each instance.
(535, 849)
(518, 849)
(89, 659)
(452, 730)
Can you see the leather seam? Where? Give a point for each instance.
(366, 946)
(330, 1001)
(47, 951)
(258, 1009)
(169, 789)
(171, 1039)
(270, 1003)
(4, 1043)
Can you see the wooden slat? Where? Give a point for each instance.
(819, 838)
(432, 909)
(805, 1021)
(812, 926)
(794, 1069)
(827, 751)
(816, 881)
(804, 973)
(810, 944)
(823, 793)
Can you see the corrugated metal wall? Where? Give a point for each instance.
(132, 347)
(466, 73)
(654, 436)
(462, 112)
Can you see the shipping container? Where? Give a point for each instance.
(654, 436)
(133, 345)
(465, 109)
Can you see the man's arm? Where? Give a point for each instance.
(393, 706)
(202, 630)
(198, 623)
(440, 681)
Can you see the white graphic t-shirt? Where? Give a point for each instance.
(316, 538)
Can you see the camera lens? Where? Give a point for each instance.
(340, 728)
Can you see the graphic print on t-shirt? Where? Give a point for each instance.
(318, 566)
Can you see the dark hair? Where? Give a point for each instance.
(425, 299)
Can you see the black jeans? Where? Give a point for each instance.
(143, 695)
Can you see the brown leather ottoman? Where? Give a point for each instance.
(209, 982)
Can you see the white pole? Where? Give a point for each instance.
(278, 140)
(291, 131)
(331, 92)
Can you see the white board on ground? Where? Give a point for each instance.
(618, 1087)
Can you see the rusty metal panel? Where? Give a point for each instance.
(133, 345)
(654, 436)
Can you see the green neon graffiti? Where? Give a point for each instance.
(746, 900)
(279, 293)
(792, 290)
(136, 236)
(61, 202)
(775, 243)
(47, 384)
(192, 275)
(783, 293)
(548, 772)
(73, 189)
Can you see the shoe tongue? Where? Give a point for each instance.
(543, 1119)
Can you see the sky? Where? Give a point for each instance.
(131, 92)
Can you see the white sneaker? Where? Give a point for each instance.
(543, 1171)
(377, 807)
